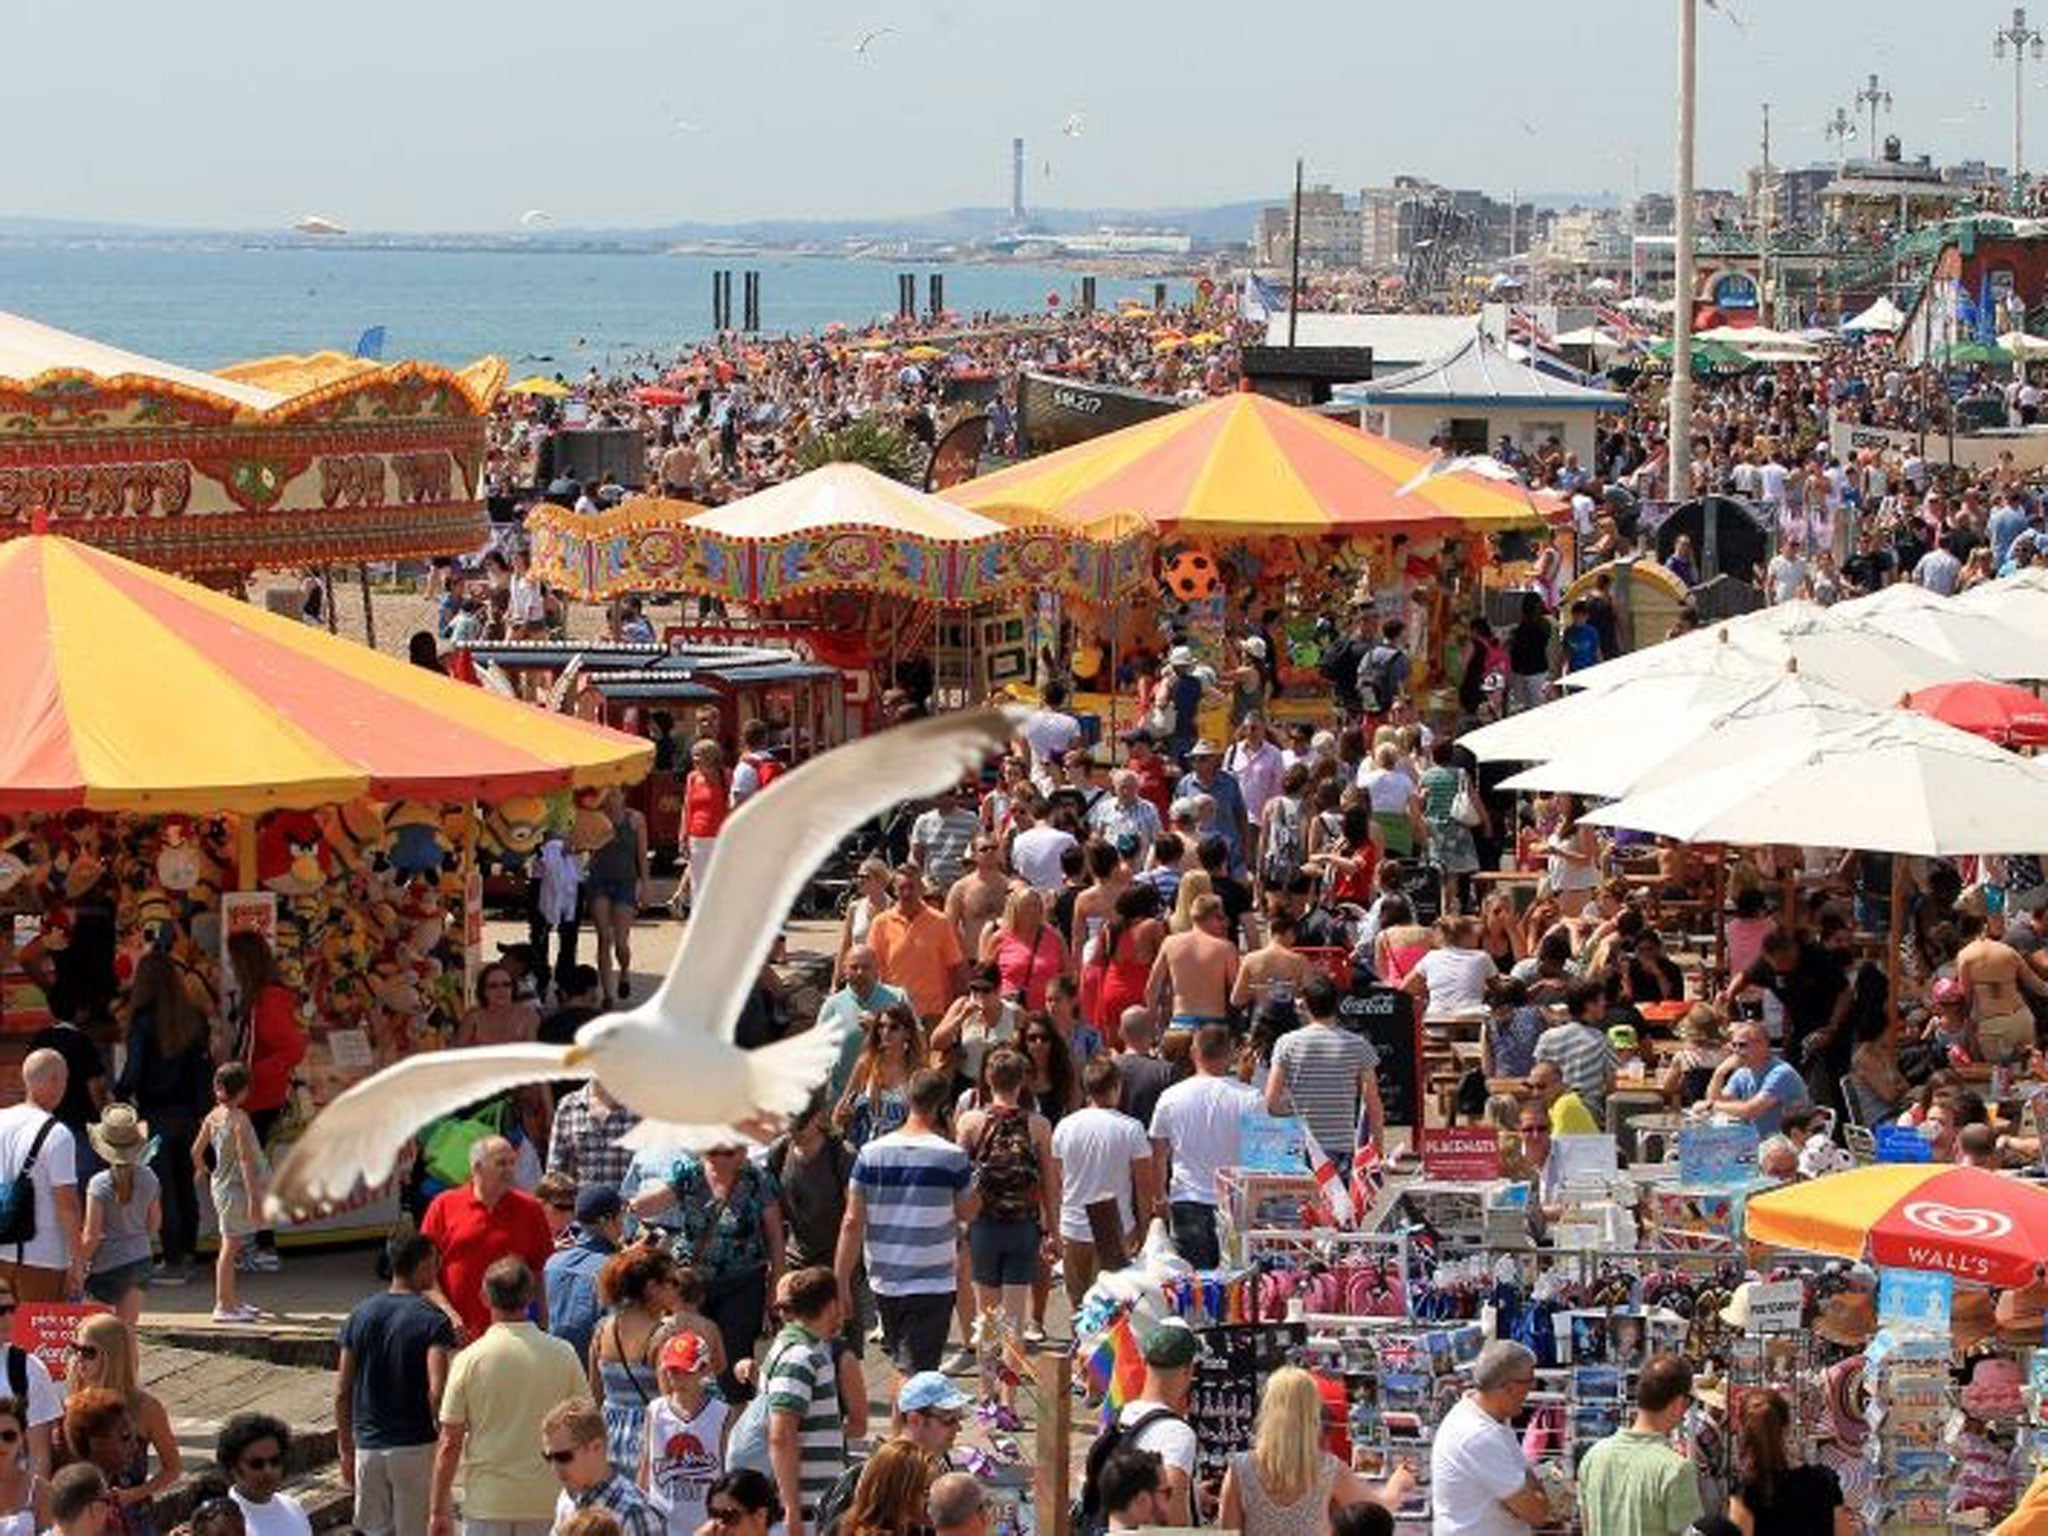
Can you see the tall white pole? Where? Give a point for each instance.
(2019, 59)
(1679, 415)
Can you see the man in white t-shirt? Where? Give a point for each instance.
(27, 1377)
(1038, 846)
(1479, 1481)
(1162, 1406)
(46, 1267)
(1099, 1153)
(1049, 732)
(1196, 1128)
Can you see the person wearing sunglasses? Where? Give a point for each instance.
(24, 1496)
(252, 1448)
(572, 1439)
(741, 1503)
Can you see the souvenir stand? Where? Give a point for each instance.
(256, 773)
(881, 573)
(1258, 505)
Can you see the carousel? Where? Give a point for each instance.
(285, 461)
(857, 571)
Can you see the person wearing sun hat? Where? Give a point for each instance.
(123, 1211)
(686, 1429)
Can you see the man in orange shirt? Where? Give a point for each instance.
(917, 949)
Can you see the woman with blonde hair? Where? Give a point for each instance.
(889, 1499)
(103, 1354)
(1287, 1484)
(707, 797)
(1194, 883)
(1026, 950)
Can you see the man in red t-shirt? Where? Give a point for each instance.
(476, 1224)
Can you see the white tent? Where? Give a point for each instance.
(1884, 315)
(2023, 346)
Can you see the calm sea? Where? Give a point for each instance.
(204, 306)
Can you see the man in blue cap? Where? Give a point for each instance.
(571, 1273)
(929, 1412)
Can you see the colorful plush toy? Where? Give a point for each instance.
(589, 829)
(418, 844)
(355, 834)
(291, 854)
(178, 861)
(514, 828)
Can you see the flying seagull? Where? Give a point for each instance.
(672, 1059)
(1728, 11)
(1484, 464)
(869, 37)
(314, 224)
(536, 216)
(1073, 126)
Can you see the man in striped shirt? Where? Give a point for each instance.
(806, 1429)
(911, 1196)
(1581, 1052)
(1326, 1074)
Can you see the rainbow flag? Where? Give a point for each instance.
(1116, 1366)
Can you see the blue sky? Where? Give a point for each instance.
(454, 114)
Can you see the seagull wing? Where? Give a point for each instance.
(771, 845)
(354, 1142)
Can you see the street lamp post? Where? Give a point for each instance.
(1841, 128)
(1678, 425)
(2024, 40)
(1873, 96)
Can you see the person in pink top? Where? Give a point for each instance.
(1026, 949)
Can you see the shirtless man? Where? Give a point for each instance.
(1197, 969)
(977, 897)
(1994, 973)
(1275, 972)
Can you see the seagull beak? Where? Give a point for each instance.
(575, 1056)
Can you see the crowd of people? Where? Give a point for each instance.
(1057, 997)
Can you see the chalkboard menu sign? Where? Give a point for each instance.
(1386, 1016)
(1230, 1373)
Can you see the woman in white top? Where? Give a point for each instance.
(24, 1497)
(1287, 1484)
(1573, 861)
(1450, 981)
(870, 895)
(1392, 793)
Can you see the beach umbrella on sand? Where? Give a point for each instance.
(539, 385)
(1983, 642)
(660, 394)
(1998, 712)
(1895, 783)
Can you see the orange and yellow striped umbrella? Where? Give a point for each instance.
(123, 688)
(1245, 464)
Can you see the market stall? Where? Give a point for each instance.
(285, 461)
(1257, 504)
(884, 572)
(175, 764)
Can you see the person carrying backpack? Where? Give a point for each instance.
(1383, 672)
(1155, 1420)
(1011, 1240)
